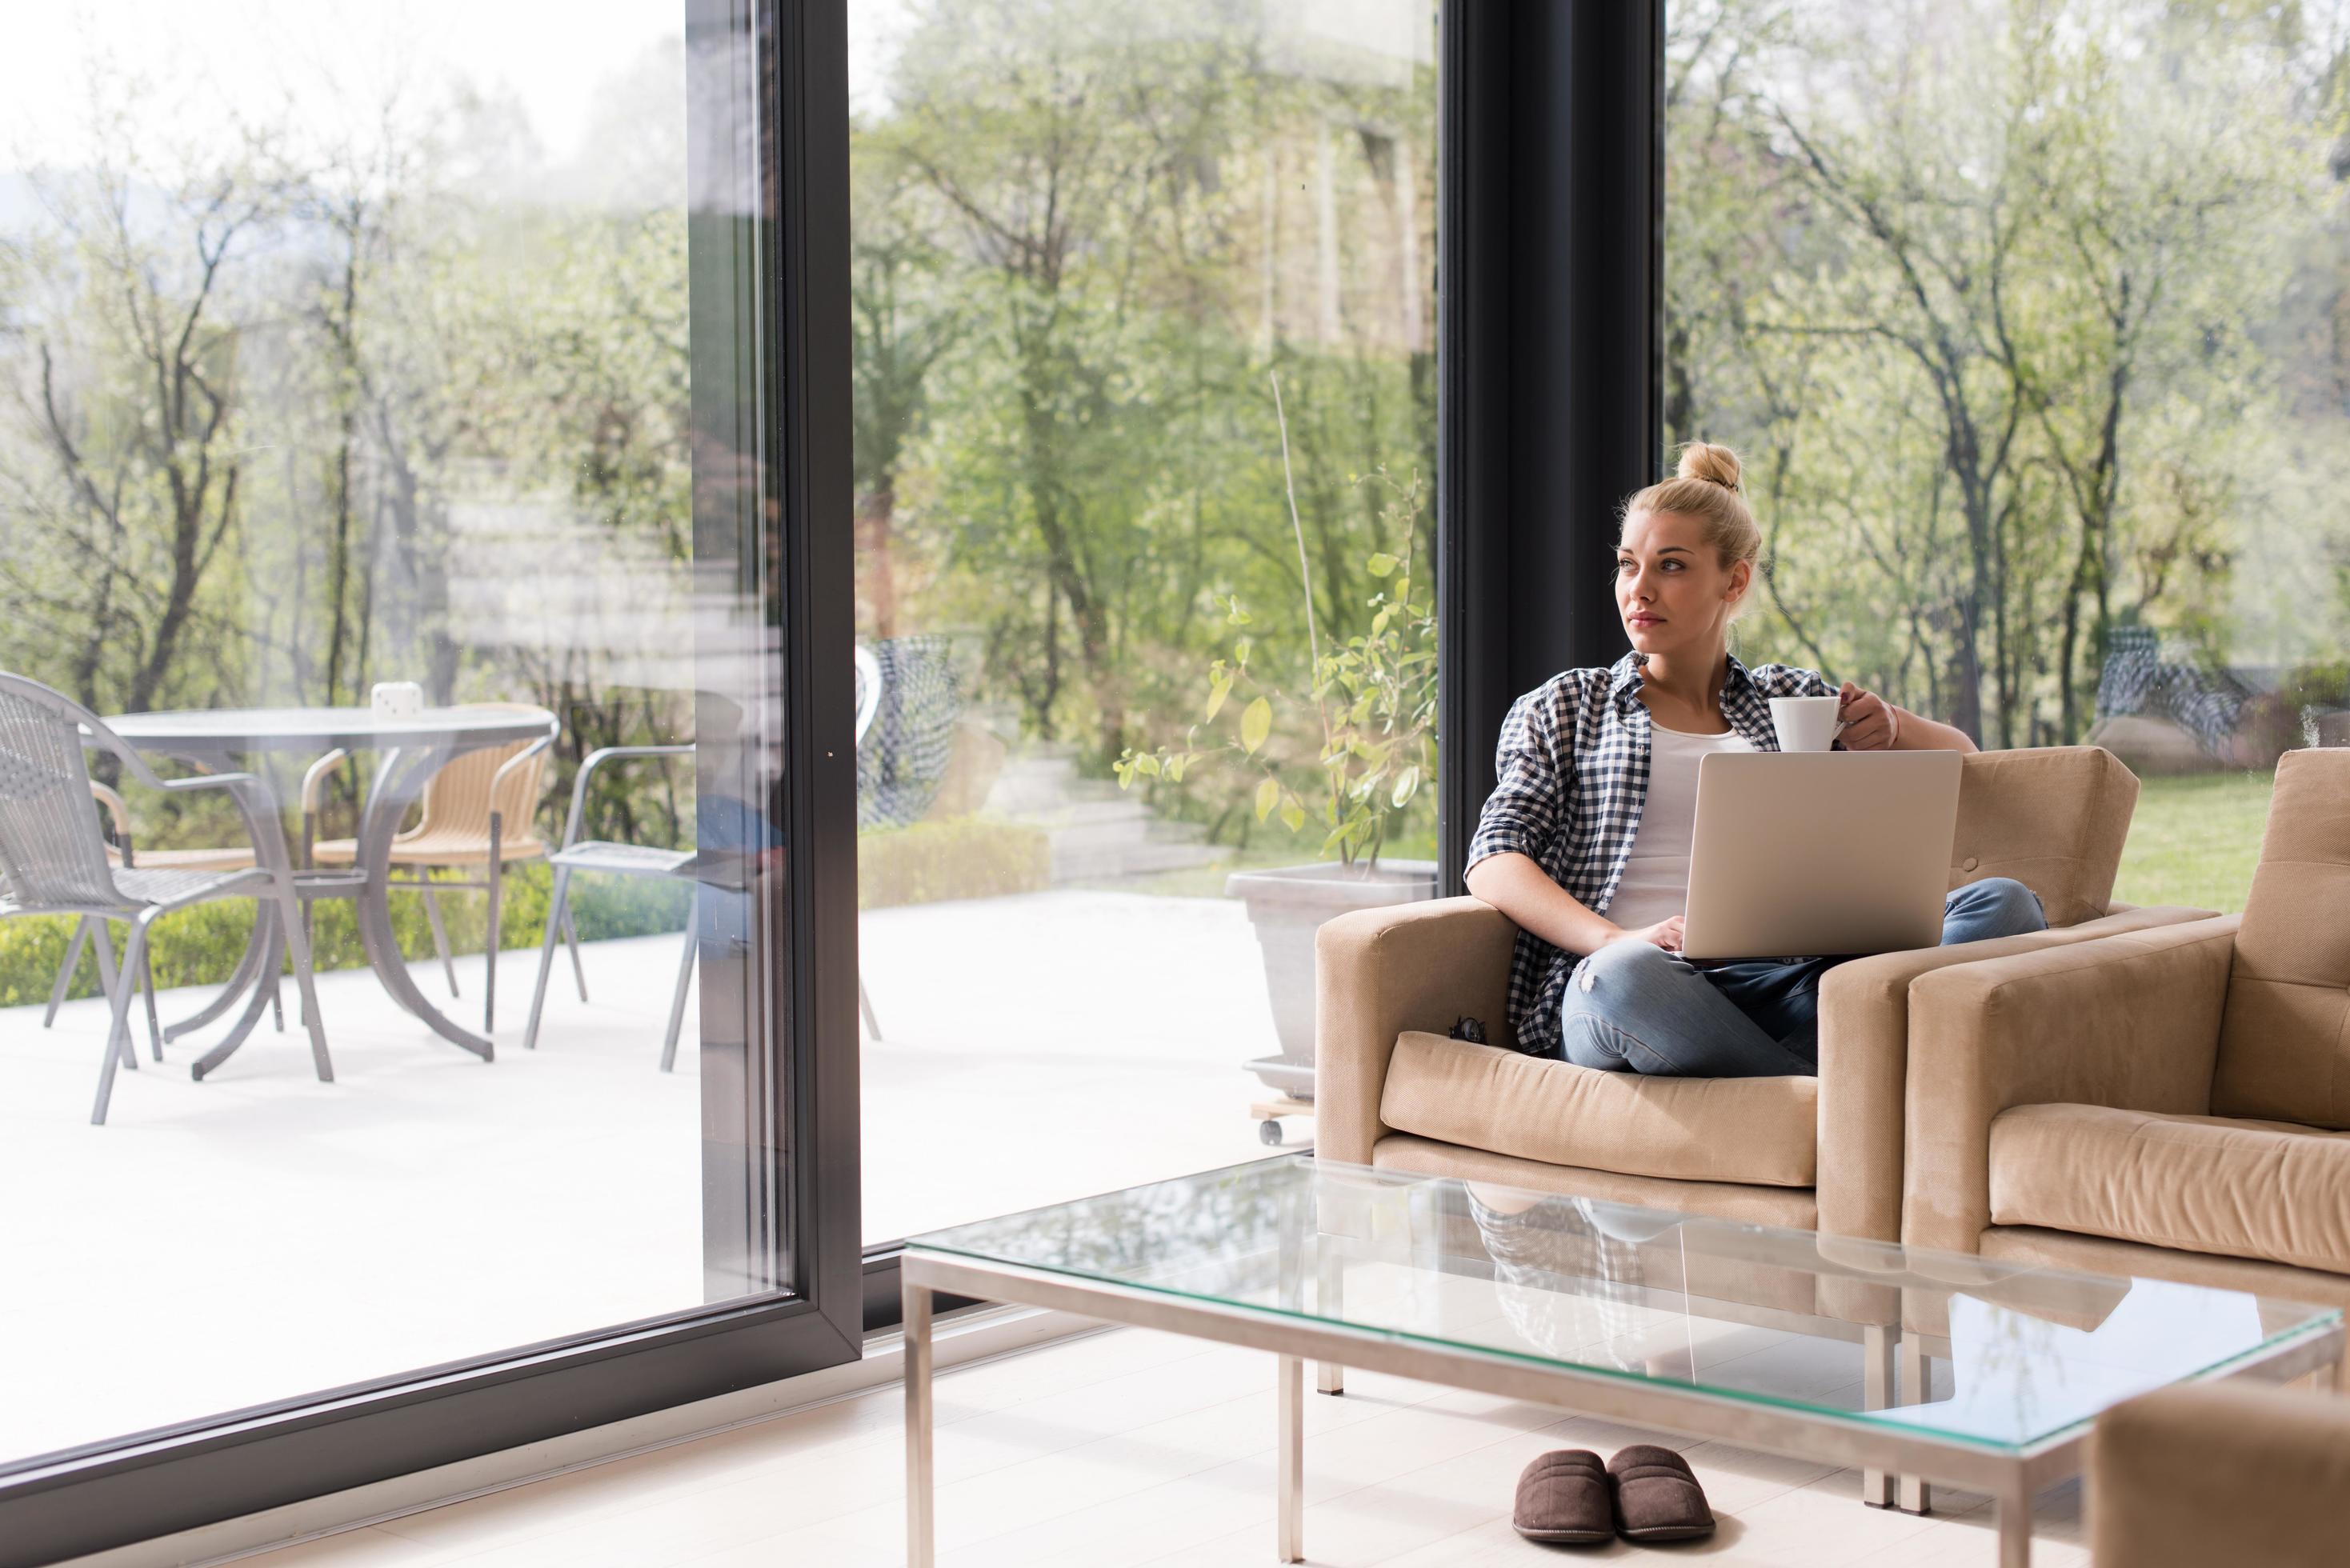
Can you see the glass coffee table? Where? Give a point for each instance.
(1905, 1363)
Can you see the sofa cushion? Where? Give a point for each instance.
(2284, 1041)
(1762, 1131)
(2269, 1190)
(2052, 818)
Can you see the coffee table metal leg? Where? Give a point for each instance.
(1877, 1394)
(1329, 1377)
(2014, 1529)
(1917, 1370)
(1291, 1461)
(920, 1477)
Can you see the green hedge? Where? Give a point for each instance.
(958, 859)
(200, 946)
(955, 857)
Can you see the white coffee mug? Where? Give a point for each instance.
(1805, 723)
(395, 698)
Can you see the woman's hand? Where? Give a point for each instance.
(1871, 721)
(1665, 934)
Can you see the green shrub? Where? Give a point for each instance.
(200, 945)
(955, 857)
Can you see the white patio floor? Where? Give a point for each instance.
(261, 1234)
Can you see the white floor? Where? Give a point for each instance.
(1134, 1448)
(261, 1235)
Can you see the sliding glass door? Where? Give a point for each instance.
(421, 414)
(1143, 296)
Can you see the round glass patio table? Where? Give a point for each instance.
(413, 749)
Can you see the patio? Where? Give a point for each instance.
(261, 1234)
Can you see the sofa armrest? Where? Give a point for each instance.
(2219, 1472)
(1379, 972)
(1865, 1062)
(2129, 1021)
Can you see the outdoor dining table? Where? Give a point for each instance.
(413, 749)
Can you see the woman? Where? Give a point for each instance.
(1584, 842)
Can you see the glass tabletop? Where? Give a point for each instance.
(1747, 1312)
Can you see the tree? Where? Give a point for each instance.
(128, 397)
(1991, 292)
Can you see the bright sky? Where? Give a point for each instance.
(203, 54)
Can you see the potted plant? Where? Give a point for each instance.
(1374, 698)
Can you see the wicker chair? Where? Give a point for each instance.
(480, 816)
(121, 852)
(55, 860)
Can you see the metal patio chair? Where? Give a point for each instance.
(613, 860)
(56, 863)
(480, 814)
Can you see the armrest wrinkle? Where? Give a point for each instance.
(2129, 1021)
(1379, 972)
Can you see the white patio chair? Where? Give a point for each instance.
(612, 859)
(56, 863)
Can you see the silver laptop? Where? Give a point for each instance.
(1820, 854)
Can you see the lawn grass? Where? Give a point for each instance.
(2193, 843)
(2194, 840)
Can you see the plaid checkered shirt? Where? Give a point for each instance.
(1573, 766)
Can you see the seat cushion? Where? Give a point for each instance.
(1760, 1131)
(2269, 1190)
(2284, 1041)
(2052, 818)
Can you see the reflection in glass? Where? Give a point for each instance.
(2022, 317)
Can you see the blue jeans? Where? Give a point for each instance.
(1632, 1005)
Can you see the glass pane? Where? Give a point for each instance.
(2026, 320)
(1750, 1311)
(1146, 424)
(379, 409)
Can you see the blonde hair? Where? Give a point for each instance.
(1706, 487)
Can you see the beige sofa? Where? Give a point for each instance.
(2221, 1473)
(2172, 1102)
(1392, 1090)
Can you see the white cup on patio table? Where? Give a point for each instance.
(395, 698)
(1805, 723)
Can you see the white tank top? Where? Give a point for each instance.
(1656, 874)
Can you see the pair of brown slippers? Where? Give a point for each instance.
(1646, 1493)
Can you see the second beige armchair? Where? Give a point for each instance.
(2170, 1103)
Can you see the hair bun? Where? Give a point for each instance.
(1716, 465)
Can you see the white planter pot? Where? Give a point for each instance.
(1288, 904)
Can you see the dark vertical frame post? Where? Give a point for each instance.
(733, 100)
(1549, 411)
(819, 640)
(1473, 179)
